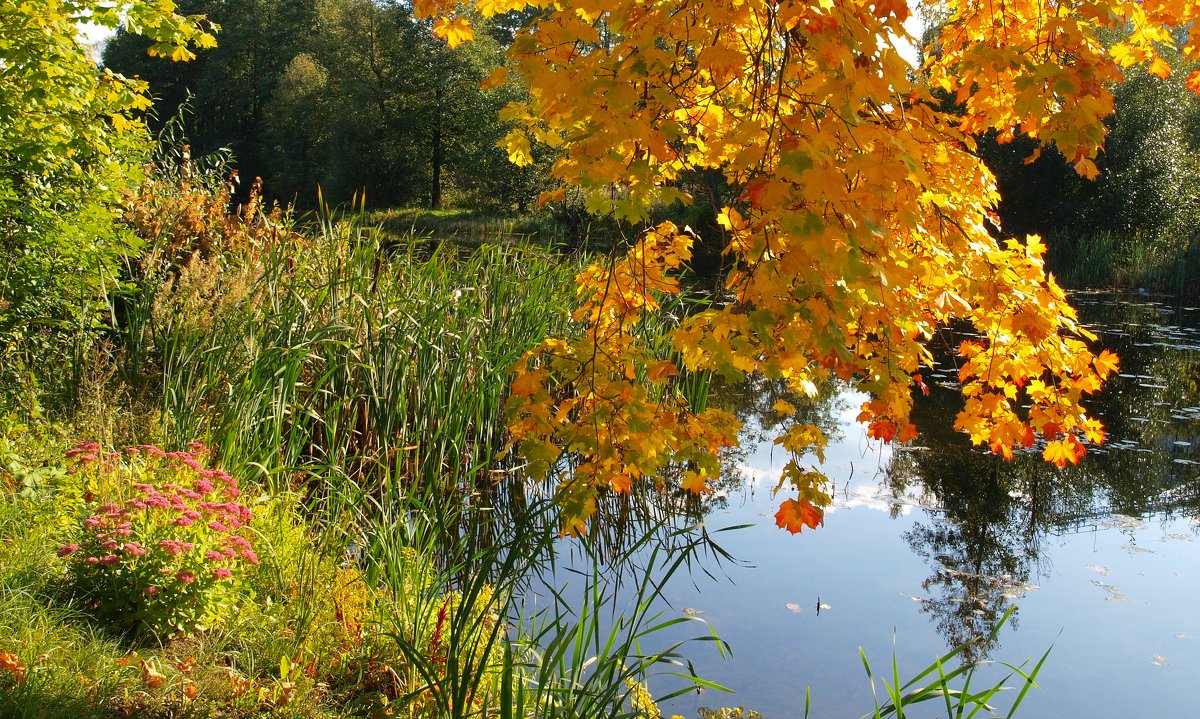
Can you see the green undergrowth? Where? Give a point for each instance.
(1143, 261)
(390, 610)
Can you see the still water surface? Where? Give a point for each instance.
(926, 546)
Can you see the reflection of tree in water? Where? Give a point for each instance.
(981, 550)
(988, 516)
(752, 402)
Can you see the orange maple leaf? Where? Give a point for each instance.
(1068, 449)
(526, 383)
(882, 429)
(1193, 82)
(794, 515)
(13, 665)
(152, 677)
(1106, 363)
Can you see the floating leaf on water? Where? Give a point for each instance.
(1134, 549)
(918, 599)
(1177, 537)
(1121, 521)
(1158, 660)
(1098, 569)
(692, 612)
(793, 608)
(1114, 593)
(1181, 635)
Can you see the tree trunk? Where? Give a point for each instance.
(435, 190)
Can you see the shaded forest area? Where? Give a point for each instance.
(345, 95)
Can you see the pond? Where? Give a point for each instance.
(928, 545)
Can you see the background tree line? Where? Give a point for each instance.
(1138, 223)
(348, 95)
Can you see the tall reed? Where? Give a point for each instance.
(348, 354)
(524, 634)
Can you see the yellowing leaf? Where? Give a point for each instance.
(517, 145)
(695, 483)
(1106, 363)
(497, 79)
(526, 383)
(1160, 68)
(1087, 168)
(1064, 450)
(454, 31)
(661, 370)
(784, 407)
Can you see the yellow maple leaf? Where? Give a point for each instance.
(1065, 450)
(1106, 363)
(516, 143)
(784, 408)
(455, 31)
(497, 79)
(695, 482)
(1160, 68)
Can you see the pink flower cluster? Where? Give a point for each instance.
(189, 527)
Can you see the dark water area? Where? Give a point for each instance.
(928, 545)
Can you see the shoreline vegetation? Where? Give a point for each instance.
(325, 530)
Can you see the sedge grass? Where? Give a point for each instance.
(351, 356)
(952, 688)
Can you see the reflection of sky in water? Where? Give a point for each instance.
(1115, 596)
(854, 464)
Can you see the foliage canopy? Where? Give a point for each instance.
(70, 143)
(861, 220)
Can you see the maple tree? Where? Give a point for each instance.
(860, 226)
(71, 142)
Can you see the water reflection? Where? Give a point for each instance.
(987, 518)
(976, 534)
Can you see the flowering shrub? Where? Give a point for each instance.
(163, 541)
